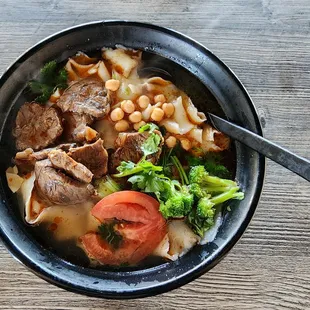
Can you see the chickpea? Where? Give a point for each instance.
(112, 84)
(160, 98)
(186, 144)
(168, 109)
(117, 114)
(135, 117)
(143, 101)
(137, 126)
(171, 141)
(121, 125)
(128, 106)
(157, 114)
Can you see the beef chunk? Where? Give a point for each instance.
(87, 96)
(94, 156)
(36, 126)
(76, 129)
(26, 159)
(61, 160)
(57, 188)
(128, 148)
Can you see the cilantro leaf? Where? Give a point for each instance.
(127, 168)
(150, 182)
(110, 235)
(150, 146)
(212, 163)
(148, 127)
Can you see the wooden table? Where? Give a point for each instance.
(267, 44)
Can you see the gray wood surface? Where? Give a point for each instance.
(267, 44)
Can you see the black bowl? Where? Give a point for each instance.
(212, 86)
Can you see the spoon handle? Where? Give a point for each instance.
(280, 155)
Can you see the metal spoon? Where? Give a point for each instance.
(280, 155)
(148, 72)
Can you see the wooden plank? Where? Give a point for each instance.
(266, 43)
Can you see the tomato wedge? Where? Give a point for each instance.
(142, 230)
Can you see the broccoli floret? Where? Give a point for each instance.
(221, 190)
(205, 208)
(199, 175)
(197, 191)
(201, 219)
(210, 191)
(178, 200)
(173, 207)
(188, 200)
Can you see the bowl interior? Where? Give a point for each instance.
(212, 87)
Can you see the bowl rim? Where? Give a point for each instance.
(193, 273)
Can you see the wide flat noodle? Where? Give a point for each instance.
(178, 241)
(13, 179)
(214, 140)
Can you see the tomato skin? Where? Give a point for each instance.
(142, 231)
(102, 212)
(130, 212)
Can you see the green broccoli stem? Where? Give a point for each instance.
(216, 189)
(210, 180)
(231, 194)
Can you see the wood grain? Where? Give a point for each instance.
(267, 44)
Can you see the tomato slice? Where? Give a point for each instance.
(147, 202)
(131, 212)
(142, 230)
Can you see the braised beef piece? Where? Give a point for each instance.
(57, 188)
(60, 160)
(87, 96)
(94, 156)
(128, 148)
(76, 128)
(36, 126)
(25, 160)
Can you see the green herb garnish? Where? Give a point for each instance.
(150, 146)
(182, 174)
(110, 235)
(49, 80)
(150, 127)
(212, 163)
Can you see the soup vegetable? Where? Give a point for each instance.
(121, 166)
